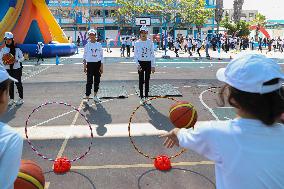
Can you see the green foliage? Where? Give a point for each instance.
(239, 29)
(189, 11)
(260, 20)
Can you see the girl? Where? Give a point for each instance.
(93, 65)
(11, 143)
(248, 151)
(145, 59)
(15, 69)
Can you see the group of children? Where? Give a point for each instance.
(248, 151)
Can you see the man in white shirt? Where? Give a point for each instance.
(40, 46)
(11, 143)
(93, 65)
(145, 60)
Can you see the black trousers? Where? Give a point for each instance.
(128, 50)
(17, 74)
(93, 76)
(144, 77)
(39, 56)
(198, 49)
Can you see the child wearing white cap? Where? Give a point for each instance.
(248, 151)
(14, 69)
(145, 60)
(93, 65)
(11, 143)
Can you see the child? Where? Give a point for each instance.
(11, 143)
(248, 151)
(93, 65)
(15, 69)
(145, 60)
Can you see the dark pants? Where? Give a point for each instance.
(198, 49)
(128, 50)
(176, 51)
(17, 74)
(93, 76)
(144, 77)
(189, 51)
(39, 56)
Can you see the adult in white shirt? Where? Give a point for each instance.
(144, 57)
(40, 46)
(93, 65)
(248, 151)
(11, 143)
(14, 69)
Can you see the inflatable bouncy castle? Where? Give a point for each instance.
(31, 22)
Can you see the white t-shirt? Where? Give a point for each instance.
(39, 48)
(11, 145)
(93, 52)
(18, 56)
(144, 51)
(247, 153)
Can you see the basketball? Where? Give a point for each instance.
(183, 115)
(8, 59)
(30, 176)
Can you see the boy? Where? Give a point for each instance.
(11, 143)
(40, 46)
(145, 60)
(93, 65)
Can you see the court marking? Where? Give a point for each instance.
(206, 106)
(64, 144)
(34, 74)
(98, 167)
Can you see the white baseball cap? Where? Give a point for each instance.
(144, 28)
(4, 75)
(249, 72)
(8, 35)
(91, 31)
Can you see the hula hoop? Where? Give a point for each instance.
(129, 129)
(65, 104)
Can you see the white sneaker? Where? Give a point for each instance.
(19, 102)
(97, 99)
(148, 101)
(86, 101)
(11, 102)
(142, 101)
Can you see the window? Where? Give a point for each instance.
(251, 14)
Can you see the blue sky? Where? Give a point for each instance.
(272, 9)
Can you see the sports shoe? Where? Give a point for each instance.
(142, 101)
(148, 101)
(11, 102)
(86, 101)
(19, 102)
(97, 99)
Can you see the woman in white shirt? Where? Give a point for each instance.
(15, 69)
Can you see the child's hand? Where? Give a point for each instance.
(153, 69)
(101, 70)
(139, 68)
(171, 139)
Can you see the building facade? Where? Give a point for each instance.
(77, 16)
(247, 15)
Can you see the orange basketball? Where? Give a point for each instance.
(30, 176)
(8, 59)
(183, 114)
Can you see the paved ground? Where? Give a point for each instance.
(112, 162)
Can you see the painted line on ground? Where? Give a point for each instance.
(64, 144)
(139, 165)
(206, 106)
(181, 62)
(34, 74)
(83, 131)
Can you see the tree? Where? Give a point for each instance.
(259, 22)
(238, 5)
(239, 29)
(219, 13)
